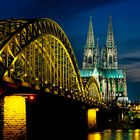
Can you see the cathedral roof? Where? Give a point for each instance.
(113, 73)
(108, 73)
(88, 72)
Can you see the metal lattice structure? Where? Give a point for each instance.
(92, 89)
(38, 51)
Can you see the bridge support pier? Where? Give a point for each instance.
(92, 119)
(98, 119)
(13, 117)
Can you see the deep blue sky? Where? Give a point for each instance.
(73, 17)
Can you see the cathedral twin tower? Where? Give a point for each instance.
(104, 66)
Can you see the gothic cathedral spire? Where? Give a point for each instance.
(90, 51)
(110, 36)
(109, 57)
(90, 36)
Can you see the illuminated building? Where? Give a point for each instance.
(103, 65)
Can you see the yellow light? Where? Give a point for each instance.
(137, 130)
(119, 134)
(94, 136)
(137, 134)
(14, 117)
(119, 130)
(107, 134)
(92, 118)
(107, 130)
(11, 70)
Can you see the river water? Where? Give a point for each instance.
(115, 135)
(49, 117)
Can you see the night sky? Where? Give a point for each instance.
(73, 17)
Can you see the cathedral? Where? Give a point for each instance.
(103, 66)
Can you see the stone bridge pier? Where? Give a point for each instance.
(97, 119)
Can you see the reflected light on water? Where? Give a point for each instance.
(130, 134)
(115, 135)
(137, 134)
(107, 134)
(95, 136)
(137, 130)
(119, 134)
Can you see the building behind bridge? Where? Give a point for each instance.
(103, 66)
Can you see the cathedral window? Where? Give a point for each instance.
(110, 60)
(90, 60)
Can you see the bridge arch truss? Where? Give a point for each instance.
(92, 89)
(39, 52)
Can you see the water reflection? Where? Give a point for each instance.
(115, 135)
(137, 134)
(107, 134)
(95, 136)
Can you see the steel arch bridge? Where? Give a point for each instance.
(38, 51)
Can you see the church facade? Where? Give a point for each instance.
(103, 66)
